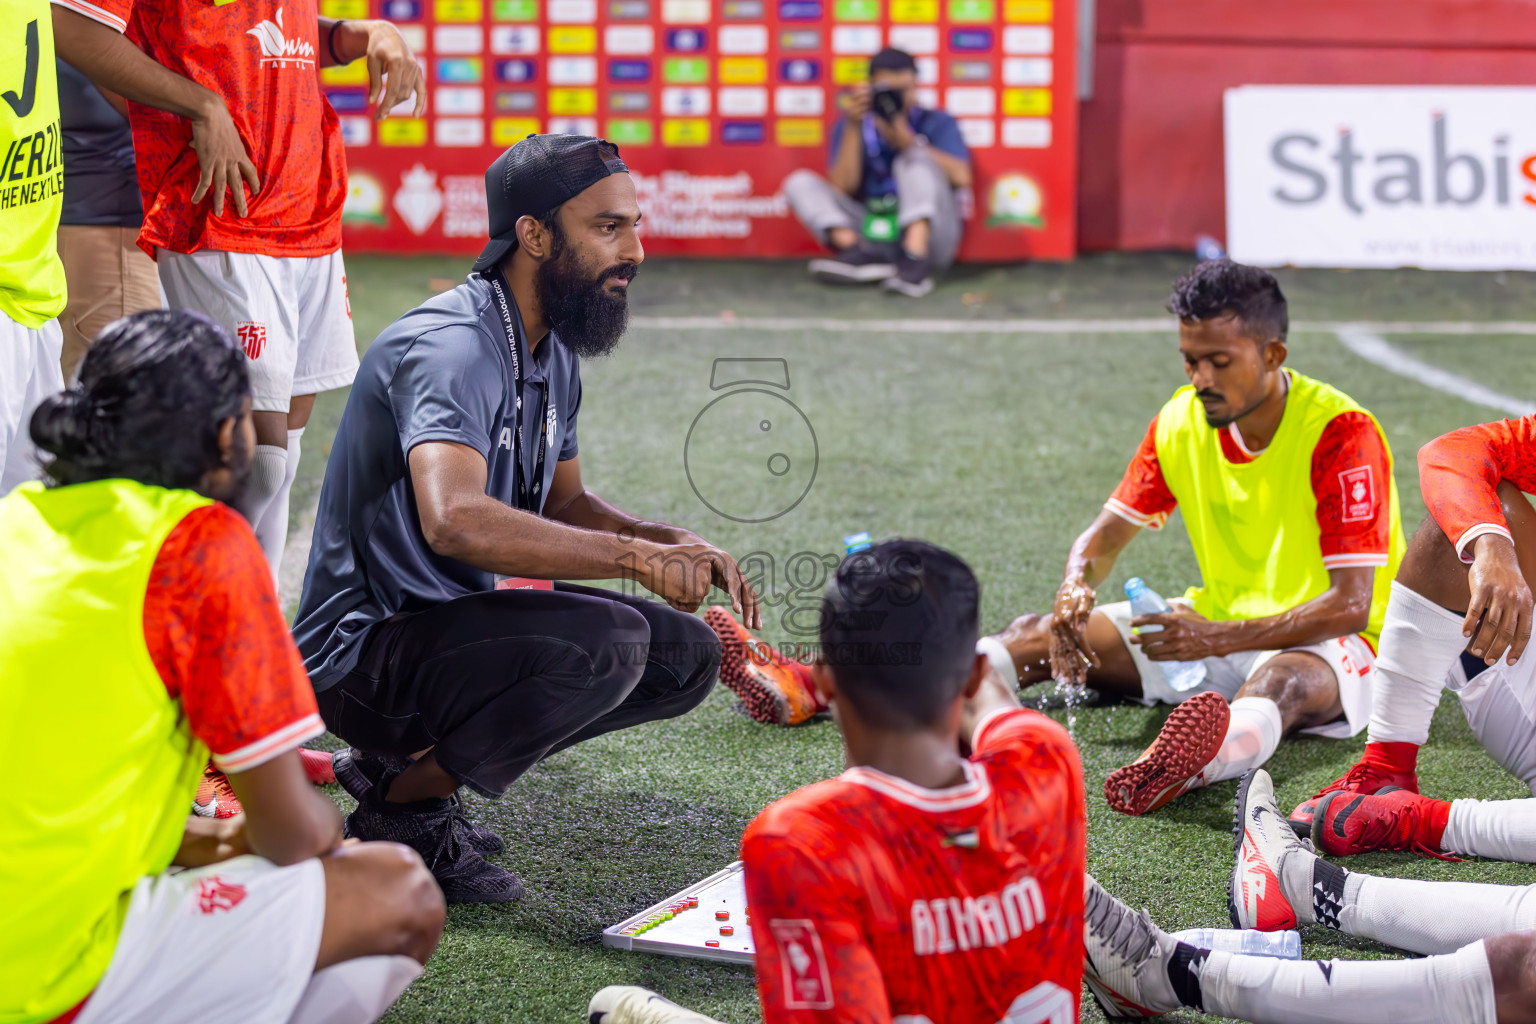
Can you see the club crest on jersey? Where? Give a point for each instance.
(279, 51)
(1359, 486)
(807, 981)
(215, 894)
(252, 337)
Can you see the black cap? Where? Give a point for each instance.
(536, 175)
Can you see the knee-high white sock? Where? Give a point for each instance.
(1252, 736)
(1455, 987)
(1433, 917)
(1500, 829)
(355, 991)
(1420, 641)
(269, 464)
(272, 527)
(1002, 661)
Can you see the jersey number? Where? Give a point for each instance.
(22, 104)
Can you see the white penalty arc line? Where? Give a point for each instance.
(1373, 348)
(1129, 325)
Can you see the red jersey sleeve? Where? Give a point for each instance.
(1351, 480)
(1459, 474)
(813, 963)
(111, 13)
(219, 640)
(1143, 497)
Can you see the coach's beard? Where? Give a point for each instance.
(583, 313)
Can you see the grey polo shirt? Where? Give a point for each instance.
(442, 372)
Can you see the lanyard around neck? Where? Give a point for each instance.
(528, 499)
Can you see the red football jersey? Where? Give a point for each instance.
(873, 900)
(1459, 474)
(261, 57)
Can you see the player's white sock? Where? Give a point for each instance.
(1499, 829)
(355, 991)
(1420, 641)
(1457, 986)
(1252, 736)
(1432, 917)
(272, 527)
(997, 653)
(269, 464)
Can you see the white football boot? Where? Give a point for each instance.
(1126, 964)
(1266, 850)
(631, 1004)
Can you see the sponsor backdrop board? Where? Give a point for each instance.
(713, 103)
(1441, 177)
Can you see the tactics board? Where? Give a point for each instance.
(688, 922)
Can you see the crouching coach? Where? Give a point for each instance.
(456, 464)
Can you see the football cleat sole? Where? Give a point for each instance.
(1188, 741)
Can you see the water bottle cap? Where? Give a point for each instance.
(1135, 583)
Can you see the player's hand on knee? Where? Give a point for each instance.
(1499, 616)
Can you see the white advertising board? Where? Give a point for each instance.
(1440, 177)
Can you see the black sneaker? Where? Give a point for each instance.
(860, 264)
(436, 829)
(913, 277)
(358, 772)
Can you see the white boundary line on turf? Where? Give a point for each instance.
(1128, 325)
(1374, 349)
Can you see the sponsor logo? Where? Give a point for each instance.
(864, 39)
(686, 40)
(34, 161)
(807, 981)
(741, 133)
(451, 40)
(801, 39)
(629, 10)
(464, 212)
(402, 10)
(951, 924)
(1027, 132)
(1027, 71)
(622, 101)
(356, 129)
(800, 69)
(970, 39)
(629, 39)
(21, 105)
(629, 71)
(461, 70)
(253, 338)
(347, 101)
(744, 39)
(685, 102)
(970, 71)
(515, 39)
(515, 71)
(365, 200)
(682, 205)
(277, 50)
(915, 39)
(1359, 486)
(1015, 199)
(799, 10)
(515, 101)
(418, 200)
(214, 894)
(1028, 39)
(742, 10)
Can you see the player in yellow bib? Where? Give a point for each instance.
(31, 196)
(1285, 486)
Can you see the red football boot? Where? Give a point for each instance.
(214, 798)
(774, 689)
(1350, 823)
(1382, 765)
(317, 766)
(1172, 765)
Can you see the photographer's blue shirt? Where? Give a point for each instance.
(442, 372)
(941, 130)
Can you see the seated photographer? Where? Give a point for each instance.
(887, 207)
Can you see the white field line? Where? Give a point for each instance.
(1373, 348)
(1129, 325)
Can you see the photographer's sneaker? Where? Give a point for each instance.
(1272, 865)
(859, 264)
(358, 773)
(1127, 958)
(913, 277)
(774, 689)
(631, 1004)
(1174, 764)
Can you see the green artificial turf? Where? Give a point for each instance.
(999, 447)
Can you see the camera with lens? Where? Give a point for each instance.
(886, 102)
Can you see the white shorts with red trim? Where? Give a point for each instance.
(1500, 706)
(232, 942)
(1351, 658)
(289, 313)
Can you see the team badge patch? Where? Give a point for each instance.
(1359, 486)
(215, 894)
(252, 337)
(807, 981)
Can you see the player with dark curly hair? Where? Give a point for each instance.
(1285, 485)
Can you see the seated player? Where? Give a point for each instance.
(1478, 946)
(921, 884)
(1465, 575)
(139, 630)
(1285, 485)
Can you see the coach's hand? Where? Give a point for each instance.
(393, 74)
(1499, 616)
(1071, 656)
(683, 574)
(1186, 636)
(222, 161)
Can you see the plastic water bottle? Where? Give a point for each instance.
(1181, 675)
(1281, 945)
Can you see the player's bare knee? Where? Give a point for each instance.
(1301, 694)
(1512, 964)
(417, 908)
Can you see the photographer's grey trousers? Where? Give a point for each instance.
(923, 192)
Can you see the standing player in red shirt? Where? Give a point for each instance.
(921, 885)
(224, 98)
(1460, 616)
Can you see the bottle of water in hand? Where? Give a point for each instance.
(1181, 675)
